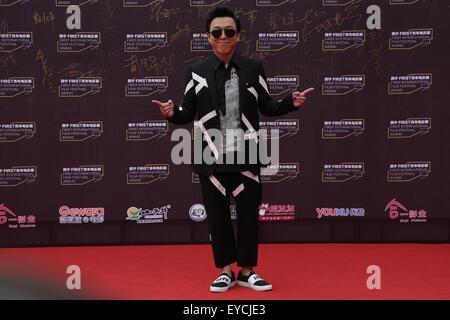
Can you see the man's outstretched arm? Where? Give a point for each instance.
(269, 107)
(185, 113)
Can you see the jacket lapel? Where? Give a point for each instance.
(211, 80)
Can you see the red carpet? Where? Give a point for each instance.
(297, 271)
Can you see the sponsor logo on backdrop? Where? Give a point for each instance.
(285, 127)
(343, 172)
(146, 86)
(410, 171)
(82, 175)
(148, 130)
(408, 128)
(69, 215)
(277, 41)
(340, 212)
(200, 42)
(81, 131)
(273, 3)
(197, 212)
(145, 42)
(137, 3)
(141, 215)
(279, 173)
(77, 88)
(207, 3)
(336, 3)
(13, 41)
(410, 39)
(342, 129)
(15, 221)
(343, 41)
(342, 85)
(66, 3)
(16, 86)
(397, 210)
(283, 84)
(402, 2)
(276, 212)
(147, 174)
(78, 42)
(17, 131)
(410, 83)
(16, 176)
(9, 3)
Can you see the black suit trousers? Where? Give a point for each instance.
(247, 192)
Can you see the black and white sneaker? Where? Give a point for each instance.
(223, 282)
(253, 281)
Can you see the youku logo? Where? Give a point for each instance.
(397, 210)
(155, 215)
(340, 212)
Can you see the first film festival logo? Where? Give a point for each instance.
(147, 174)
(79, 3)
(17, 131)
(342, 172)
(408, 128)
(342, 85)
(342, 129)
(82, 175)
(407, 172)
(144, 42)
(11, 42)
(146, 86)
(410, 83)
(16, 176)
(147, 130)
(16, 86)
(14, 41)
(80, 131)
(343, 41)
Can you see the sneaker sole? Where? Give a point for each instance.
(222, 289)
(257, 288)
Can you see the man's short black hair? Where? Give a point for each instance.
(220, 12)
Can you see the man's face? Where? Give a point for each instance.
(223, 45)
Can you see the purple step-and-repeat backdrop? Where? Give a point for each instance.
(85, 157)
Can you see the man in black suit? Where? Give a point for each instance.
(223, 93)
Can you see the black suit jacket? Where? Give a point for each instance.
(200, 103)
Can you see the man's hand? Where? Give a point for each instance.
(166, 108)
(299, 98)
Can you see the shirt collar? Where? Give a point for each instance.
(218, 62)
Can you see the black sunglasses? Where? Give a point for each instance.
(217, 32)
